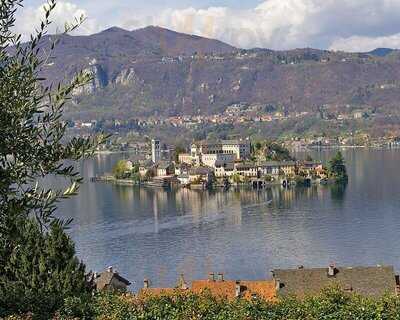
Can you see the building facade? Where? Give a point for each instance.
(211, 160)
(155, 150)
(240, 148)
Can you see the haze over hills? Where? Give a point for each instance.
(157, 71)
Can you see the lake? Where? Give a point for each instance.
(157, 234)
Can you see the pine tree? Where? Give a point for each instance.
(337, 167)
(42, 273)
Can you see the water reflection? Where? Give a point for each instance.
(338, 192)
(158, 234)
(161, 205)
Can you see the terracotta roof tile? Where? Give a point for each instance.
(221, 289)
(264, 289)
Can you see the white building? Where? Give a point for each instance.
(161, 151)
(212, 153)
(224, 170)
(211, 160)
(155, 150)
(240, 148)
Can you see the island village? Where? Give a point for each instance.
(218, 164)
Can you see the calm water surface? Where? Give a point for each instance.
(158, 234)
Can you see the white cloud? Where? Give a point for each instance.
(283, 24)
(365, 44)
(352, 25)
(29, 18)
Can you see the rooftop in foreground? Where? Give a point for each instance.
(369, 281)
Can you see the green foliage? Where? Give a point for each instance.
(41, 273)
(276, 152)
(271, 151)
(236, 178)
(136, 177)
(121, 169)
(268, 178)
(32, 138)
(37, 264)
(77, 307)
(330, 304)
(337, 168)
(135, 169)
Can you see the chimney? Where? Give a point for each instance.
(237, 289)
(110, 269)
(182, 283)
(331, 270)
(146, 283)
(211, 276)
(277, 284)
(220, 276)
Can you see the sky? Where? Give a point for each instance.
(348, 25)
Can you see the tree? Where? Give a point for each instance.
(236, 178)
(337, 167)
(149, 174)
(42, 273)
(121, 169)
(276, 152)
(33, 145)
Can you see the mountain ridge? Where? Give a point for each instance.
(156, 71)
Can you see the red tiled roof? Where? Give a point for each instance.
(221, 289)
(264, 289)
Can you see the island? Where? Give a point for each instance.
(224, 163)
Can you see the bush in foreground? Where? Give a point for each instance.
(330, 304)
